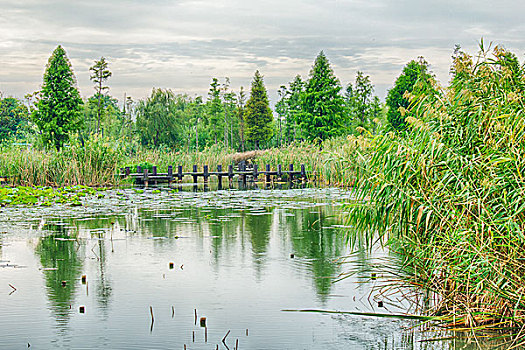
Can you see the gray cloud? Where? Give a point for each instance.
(182, 44)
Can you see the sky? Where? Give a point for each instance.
(182, 44)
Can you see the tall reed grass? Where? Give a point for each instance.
(92, 164)
(449, 194)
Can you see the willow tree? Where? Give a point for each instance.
(59, 108)
(258, 115)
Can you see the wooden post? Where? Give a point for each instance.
(128, 171)
(267, 173)
(146, 181)
(303, 173)
(154, 173)
(195, 174)
(279, 172)
(244, 175)
(179, 173)
(206, 174)
(255, 172)
(219, 176)
(230, 173)
(139, 169)
(170, 174)
(290, 174)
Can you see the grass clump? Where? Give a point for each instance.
(449, 193)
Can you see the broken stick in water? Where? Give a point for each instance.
(223, 339)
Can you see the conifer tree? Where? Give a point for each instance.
(322, 113)
(258, 114)
(413, 72)
(59, 108)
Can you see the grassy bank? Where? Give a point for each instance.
(449, 193)
(97, 161)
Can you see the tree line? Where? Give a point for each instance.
(314, 109)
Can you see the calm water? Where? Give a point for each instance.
(232, 262)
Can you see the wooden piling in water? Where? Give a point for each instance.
(179, 173)
(268, 176)
(170, 174)
(205, 174)
(219, 176)
(146, 178)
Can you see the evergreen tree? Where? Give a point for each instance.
(100, 74)
(59, 107)
(258, 115)
(322, 113)
(295, 95)
(414, 72)
(215, 110)
(241, 101)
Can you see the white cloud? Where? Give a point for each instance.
(182, 44)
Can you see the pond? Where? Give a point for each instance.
(164, 269)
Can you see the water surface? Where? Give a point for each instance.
(239, 258)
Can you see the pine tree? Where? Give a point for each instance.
(258, 115)
(322, 113)
(59, 107)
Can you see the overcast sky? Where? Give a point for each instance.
(182, 44)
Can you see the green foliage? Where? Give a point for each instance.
(449, 193)
(414, 78)
(59, 108)
(100, 75)
(23, 195)
(103, 113)
(258, 114)
(157, 119)
(93, 163)
(14, 119)
(215, 110)
(322, 114)
(364, 110)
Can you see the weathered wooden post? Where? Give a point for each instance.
(195, 175)
(205, 174)
(290, 174)
(303, 173)
(145, 179)
(179, 173)
(267, 177)
(230, 174)
(243, 166)
(170, 174)
(154, 173)
(128, 171)
(279, 172)
(219, 176)
(255, 172)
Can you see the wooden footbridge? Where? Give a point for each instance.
(242, 173)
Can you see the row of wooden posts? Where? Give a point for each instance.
(242, 173)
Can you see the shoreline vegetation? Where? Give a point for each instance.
(98, 161)
(437, 171)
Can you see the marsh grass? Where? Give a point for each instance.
(448, 195)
